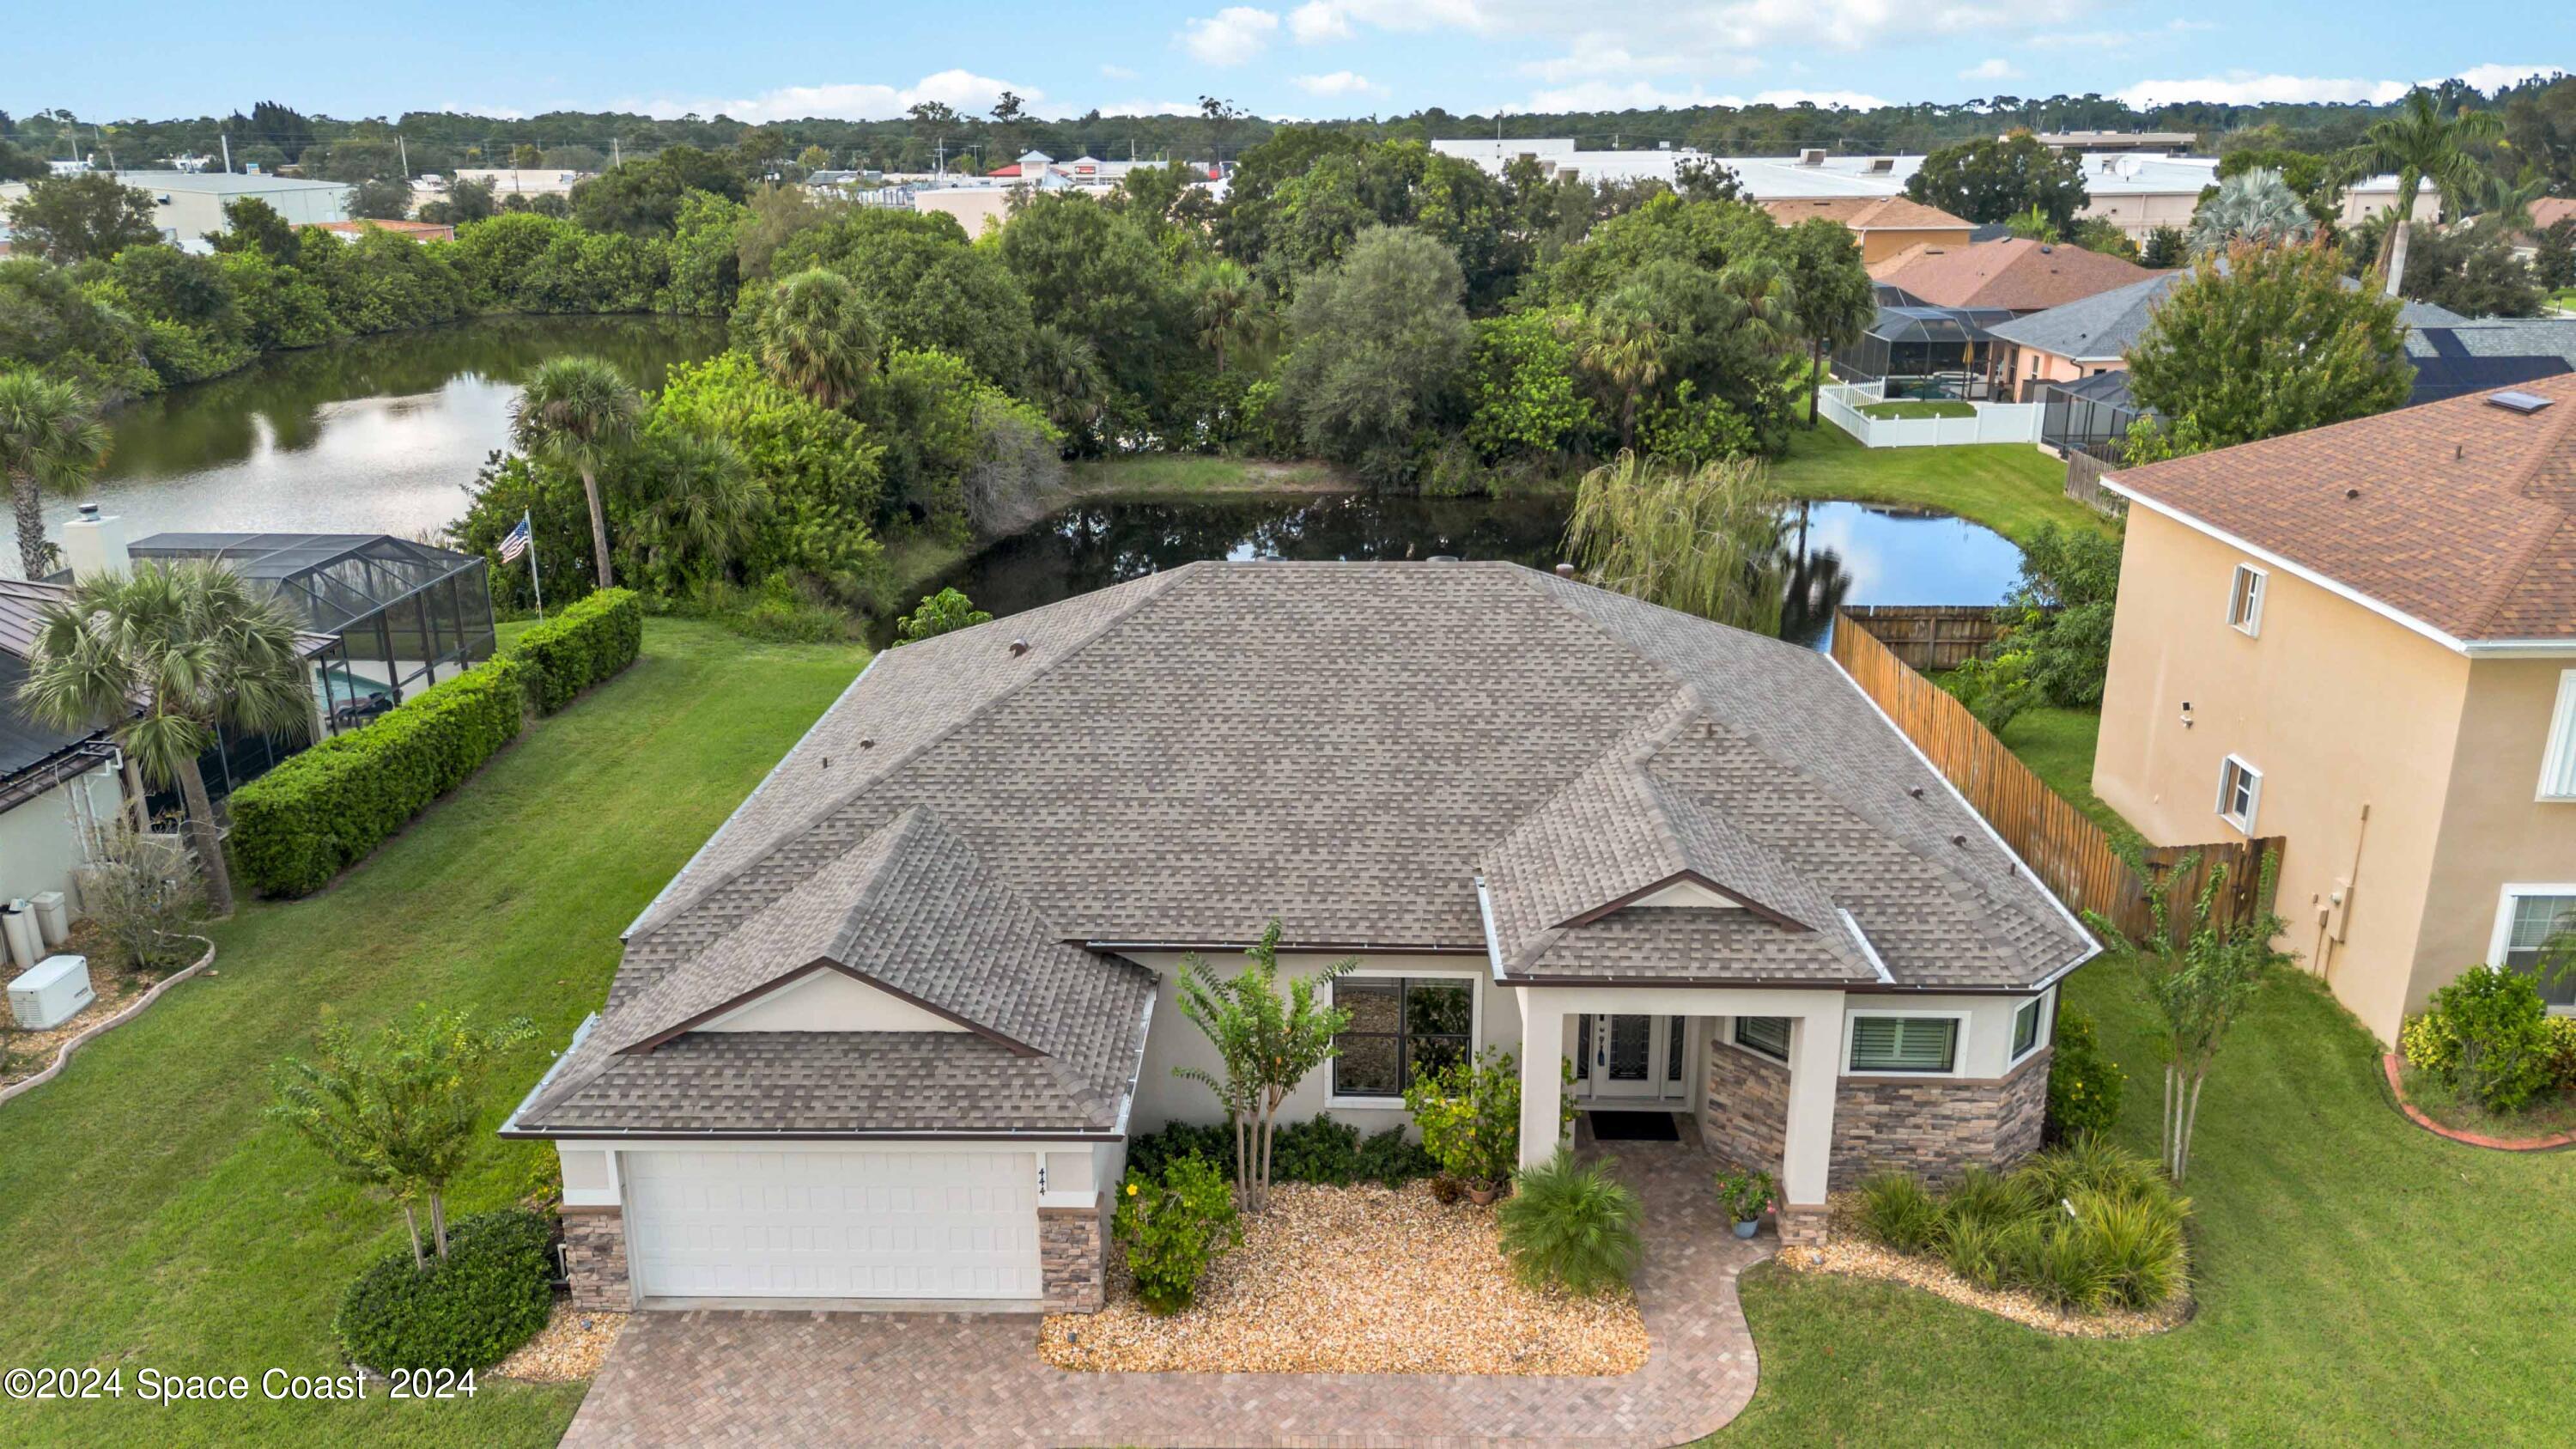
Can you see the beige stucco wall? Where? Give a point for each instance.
(2338, 707)
(1878, 244)
(2495, 831)
(2140, 212)
(40, 843)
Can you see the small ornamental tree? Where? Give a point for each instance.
(2264, 340)
(1267, 1042)
(397, 1111)
(939, 613)
(1470, 1115)
(2200, 986)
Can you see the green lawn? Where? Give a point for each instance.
(2360, 1281)
(1915, 408)
(2057, 744)
(149, 1216)
(2009, 487)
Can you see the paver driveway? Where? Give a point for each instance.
(861, 1378)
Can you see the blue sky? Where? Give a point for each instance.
(781, 59)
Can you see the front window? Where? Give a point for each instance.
(1400, 1027)
(2026, 1029)
(1904, 1043)
(2535, 921)
(1768, 1035)
(2240, 792)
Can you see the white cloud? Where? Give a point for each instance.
(2115, 39)
(2244, 88)
(855, 101)
(1996, 69)
(2497, 77)
(1318, 21)
(1339, 83)
(1117, 72)
(1231, 36)
(1610, 95)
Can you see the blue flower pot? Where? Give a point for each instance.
(1746, 1230)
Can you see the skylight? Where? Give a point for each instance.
(2518, 401)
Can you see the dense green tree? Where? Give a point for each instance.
(817, 337)
(820, 468)
(21, 165)
(1226, 309)
(2472, 271)
(578, 413)
(50, 442)
(1989, 180)
(642, 197)
(80, 218)
(1521, 385)
(277, 306)
(1379, 341)
(928, 287)
(251, 224)
(382, 198)
(694, 510)
(2540, 126)
(2166, 248)
(2553, 257)
(1094, 275)
(49, 322)
(1835, 299)
(2276, 341)
(2420, 143)
(767, 218)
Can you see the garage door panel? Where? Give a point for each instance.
(833, 1224)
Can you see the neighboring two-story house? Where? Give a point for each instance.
(2362, 638)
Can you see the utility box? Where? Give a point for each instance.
(53, 920)
(51, 994)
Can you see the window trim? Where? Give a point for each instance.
(1735, 1038)
(2042, 1004)
(2500, 940)
(2251, 626)
(2558, 749)
(2253, 797)
(1958, 1045)
(1475, 1024)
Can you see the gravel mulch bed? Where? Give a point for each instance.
(1356, 1280)
(1853, 1255)
(31, 1052)
(570, 1347)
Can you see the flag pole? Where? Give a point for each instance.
(533, 583)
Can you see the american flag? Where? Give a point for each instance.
(515, 542)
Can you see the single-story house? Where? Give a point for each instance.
(1885, 225)
(2547, 212)
(188, 206)
(58, 787)
(2362, 638)
(887, 1034)
(2015, 274)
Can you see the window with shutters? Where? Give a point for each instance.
(2533, 930)
(2558, 760)
(2240, 793)
(1768, 1035)
(2245, 600)
(1904, 1043)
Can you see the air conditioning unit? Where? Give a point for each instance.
(51, 994)
(1812, 156)
(1882, 165)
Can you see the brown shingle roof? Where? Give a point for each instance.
(1867, 213)
(2013, 273)
(2458, 514)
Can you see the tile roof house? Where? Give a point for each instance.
(2362, 638)
(1886, 225)
(2016, 274)
(931, 959)
(53, 782)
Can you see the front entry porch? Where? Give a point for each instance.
(1623, 1048)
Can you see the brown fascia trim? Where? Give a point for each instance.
(824, 963)
(1286, 948)
(1695, 878)
(751, 1134)
(1689, 982)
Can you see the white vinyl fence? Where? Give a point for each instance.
(1993, 423)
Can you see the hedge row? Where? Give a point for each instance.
(324, 809)
(581, 646)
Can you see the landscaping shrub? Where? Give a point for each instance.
(2063, 1272)
(1148, 1155)
(467, 1311)
(2561, 1034)
(1982, 1197)
(2133, 1245)
(2083, 1082)
(328, 807)
(1173, 1225)
(1896, 1211)
(1972, 1246)
(582, 645)
(1571, 1225)
(2498, 1051)
(1391, 1159)
(1470, 1116)
(1317, 1150)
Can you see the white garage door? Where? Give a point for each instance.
(832, 1224)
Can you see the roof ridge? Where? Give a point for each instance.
(2507, 585)
(671, 911)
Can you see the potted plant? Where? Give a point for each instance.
(1745, 1195)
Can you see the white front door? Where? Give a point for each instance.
(1629, 1056)
(832, 1224)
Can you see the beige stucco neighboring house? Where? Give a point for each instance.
(889, 1033)
(1885, 225)
(2362, 639)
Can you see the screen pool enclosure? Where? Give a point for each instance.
(403, 616)
(1924, 351)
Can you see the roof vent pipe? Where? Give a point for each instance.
(1565, 571)
(1019, 647)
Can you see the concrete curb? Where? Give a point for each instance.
(63, 1056)
(2394, 1065)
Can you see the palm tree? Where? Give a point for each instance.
(578, 412)
(816, 336)
(698, 508)
(2421, 144)
(2508, 203)
(1064, 371)
(50, 437)
(1763, 304)
(1224, 303)
(2255, 206)
(163, 659)
(1624, 346)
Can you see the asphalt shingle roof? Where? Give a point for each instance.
(2015, 273)
(1344, 747)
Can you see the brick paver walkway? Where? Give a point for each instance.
(859, 1378)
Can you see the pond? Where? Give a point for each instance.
(1840, 553)
(373, 435)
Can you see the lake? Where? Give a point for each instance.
(1840, 553)
(373, 435)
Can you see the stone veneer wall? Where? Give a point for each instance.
(1937, 1127)
(1072, 1267)
(1747, 1116)
(595, 1254)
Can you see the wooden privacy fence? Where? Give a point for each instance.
(1928, 637)
(2068, 852)
(2084, 485)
